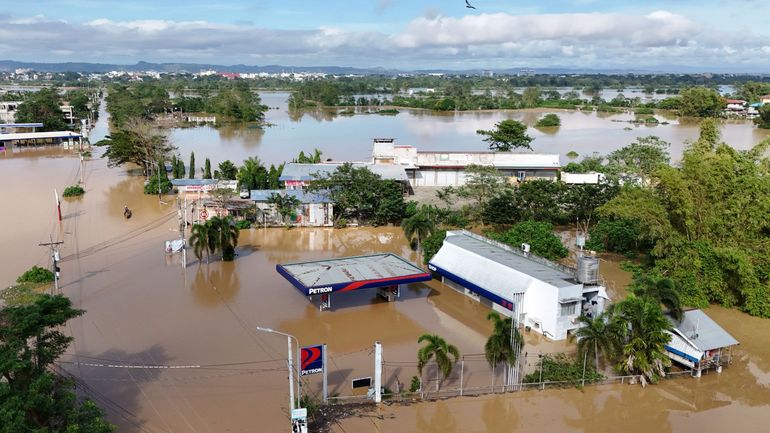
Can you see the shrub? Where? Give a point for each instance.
(414, 386)
(36, 275)
(651, 120)
(242, 224)
(74, 191)
(539, 235)
(388, 111)
(572, 154)
(560, 368)
(152, 186)
(341, 223)
(549, 120)
(642, 111)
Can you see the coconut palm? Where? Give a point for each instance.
(645, 327)
(502, 346)
(598, 335)
(663, 290)
(226, 235)
(439, 350)
(203, 240)
(418, 227)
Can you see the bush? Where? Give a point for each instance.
(414, 386)
(74, 191)
(539, 235)
(550, 120)
(242, 224)
(152, 186)
(341, 223)
(560, 368)
(388, 111)
(615, 235)
(36, 275)
(643, 111)
(572, 154)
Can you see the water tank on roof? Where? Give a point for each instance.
(587, 269)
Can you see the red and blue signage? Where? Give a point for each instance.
(311, 360)
(355, 285)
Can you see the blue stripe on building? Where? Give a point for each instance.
(467, 284)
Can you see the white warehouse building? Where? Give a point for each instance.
(546, 296)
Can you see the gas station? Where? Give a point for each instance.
(320, 279)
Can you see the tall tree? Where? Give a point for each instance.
(418, 227)
(701, 102)
(32, 397)
(207, 169)
(598, 335)
(508, 134)
(644, 351)
(225, 235)
(136, 142)
(504, 342)
(439, 350)
(227, 170)
(642, 157)
(285, 204)
(481, 184)
(203, 240)
(252, 174)
(191, 172)
(43, 106)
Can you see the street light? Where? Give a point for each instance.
(290, 364)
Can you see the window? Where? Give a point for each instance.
(569, 309)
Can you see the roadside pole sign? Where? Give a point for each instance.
(312, 360)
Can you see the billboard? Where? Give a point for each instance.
(312, 360)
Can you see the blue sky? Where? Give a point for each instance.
(657, 35)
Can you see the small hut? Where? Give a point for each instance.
(699, 343)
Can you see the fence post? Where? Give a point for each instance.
(462, 371)
(585, 357)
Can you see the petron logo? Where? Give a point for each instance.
(318, 290)
(312, 360)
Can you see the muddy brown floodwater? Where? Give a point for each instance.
(144, 309)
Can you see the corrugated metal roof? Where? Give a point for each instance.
(192, 182)
(703, 332)
(351, 269)
(262, 195)
(39, 135)
(304, 172)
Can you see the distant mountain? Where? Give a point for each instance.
(10, 65)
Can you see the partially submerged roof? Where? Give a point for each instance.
(193, 182)
(351, 273)
(702, 332)
(263, 195)
(38, 135)
(305, 172)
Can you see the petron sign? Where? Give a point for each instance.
(312, 360)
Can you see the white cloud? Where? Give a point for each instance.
(596, 40)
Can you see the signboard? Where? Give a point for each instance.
(300, 413)
(364, 382)
(312, 360)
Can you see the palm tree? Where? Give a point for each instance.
(502, 345)
(202, 240)
(663, 290)
(645, 327)
(226, 235)
(439, 350)
(418, 227)
(598, 335)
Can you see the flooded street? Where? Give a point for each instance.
(144, 309)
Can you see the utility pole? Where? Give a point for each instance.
(58, 202)
(377, 372)
(55, 260)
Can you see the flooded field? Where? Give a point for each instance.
(143, 308)
(350, 137)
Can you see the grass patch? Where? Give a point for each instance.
(74, 191)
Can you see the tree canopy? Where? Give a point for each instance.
(700, 102)
(508, 134)
(43, 106)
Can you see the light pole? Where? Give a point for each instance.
(290, 364)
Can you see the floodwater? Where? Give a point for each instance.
(350, 137)
(144, 309)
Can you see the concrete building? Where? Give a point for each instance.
(297, 176)
(764, 99)
(592, 178)
(61, 138)
(699, 343)
(448, 168)
(543, 296)
(8, 111)
(315, 210)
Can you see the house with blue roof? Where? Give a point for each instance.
(315, 209)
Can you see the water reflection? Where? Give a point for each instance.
(214, 283)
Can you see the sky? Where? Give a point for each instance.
(655, 35)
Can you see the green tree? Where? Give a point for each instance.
(531, 97)
(191, 172)
(598, 336)
(32, 397)
(751, 91)
(43, 106)
(227, 170)
(640, 158)
(701, 102)
(158, 180)
(508, 134)
(285, 204)
(359, 193)
(179, 169)
(662, 290)
(764, 117)
(645, 338)
(439, 350)
(315, 158)
(252, 174)
(418, 227)
(539, 235)
(482, 183)
(548, 121)
(225, 235)
(135, 142)
(203, 240)
(432, 244)
(541, 200)
(504, 342)
(619, 235)
(207, 169)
